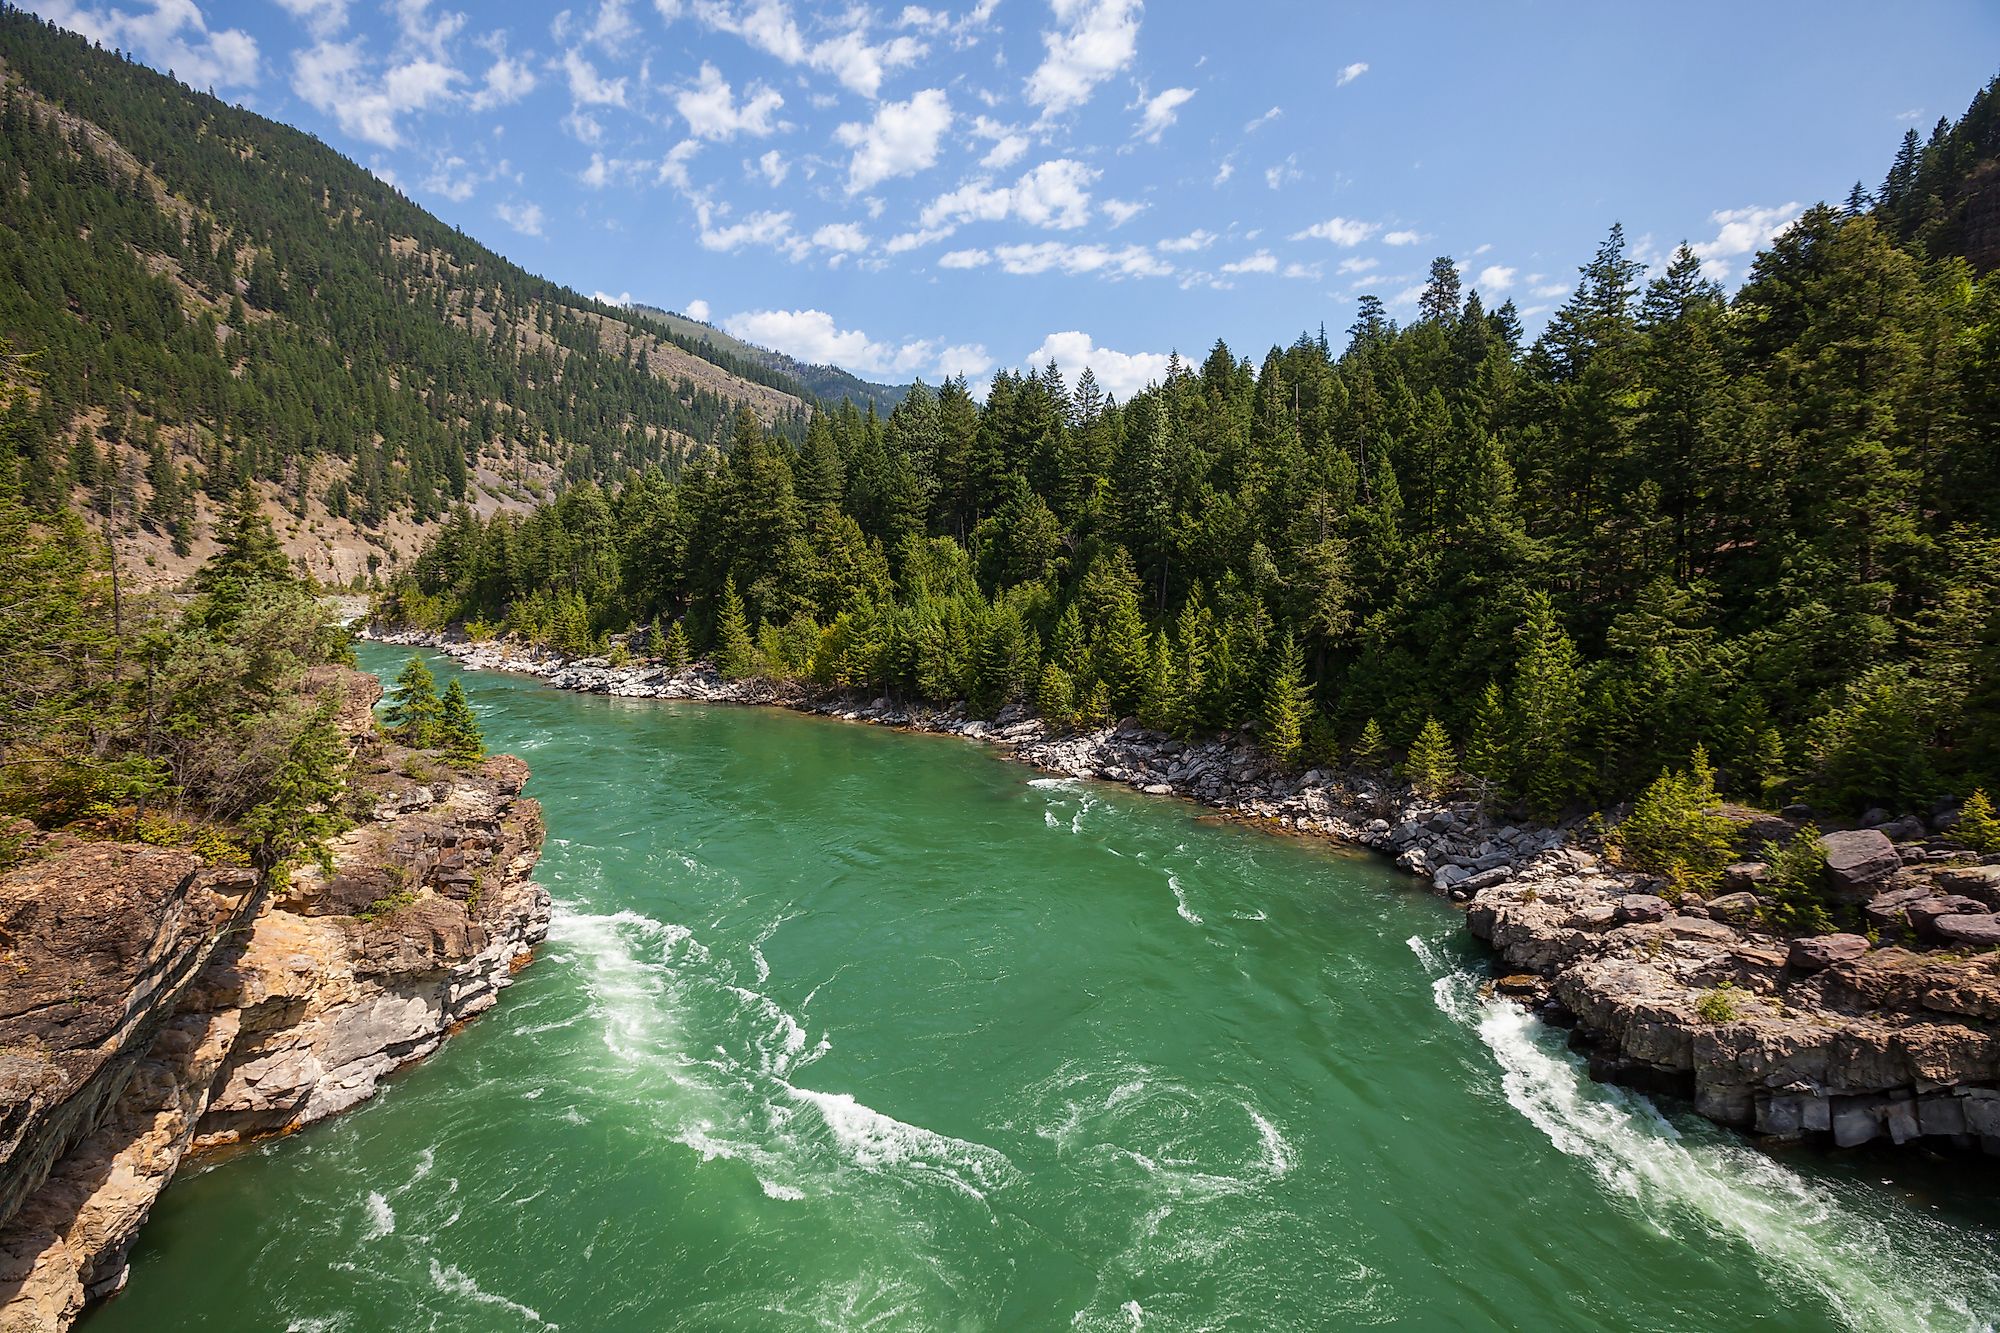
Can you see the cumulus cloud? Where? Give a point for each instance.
(901, 140)
(849, 56)
(697, 309)
(1261, 262)
(1495, 278)
(711, 110)
(773, 168)
(1030, 259)
(323, 18)
(170, 34)
(1198, 239)
(507, 81)
(1121, 373)
(621, 300)
(586, 86)
(1159, 112)
(767, 228)
(1122, 211)
(1094, 40)
(1341, 231)
(1358, 264)
(1402, 238)
(845, 237)
(1349, 73)
(1741, 231)
(1252, 126)
(333, 77)
(524, 218)
(1055, 194)
(813, 336)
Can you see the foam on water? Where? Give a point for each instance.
(381, 1217)
(1696, 1186)
(1187, 913)
(876, 1143)
(452, 1281)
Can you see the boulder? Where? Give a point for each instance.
(1818, 952)
(1745, 876)
(1981, 882)
(1859, 859)
(1906, 829)
(1643, 907)
(1924, 915)
(1891, 909)
(1736, 908)
(1978, 932)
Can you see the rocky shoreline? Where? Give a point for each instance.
(1892, 1036)
(157, 1006)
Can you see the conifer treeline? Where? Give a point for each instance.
(1769, 525)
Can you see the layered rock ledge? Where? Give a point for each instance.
(152, 1006)
(1893, 1035)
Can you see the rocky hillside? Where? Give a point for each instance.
(207, 297)
(154, 1006)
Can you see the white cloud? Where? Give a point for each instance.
(1495, 278)
(845, 237)
(1304, 272)
(1358, 265)
(850, 57)
(323, 18)
(589, 88)
(1132, 261)
(1225, 171)
(1284, 173)
(169, 34)
(773, 168)
(1349, 73)
(1122, 211)
(524, 218)
(913, 240)
(964, 259)
(697, 309)
(330, 76)
(1006, 151)
(621, 300)
(584, 127)
(712, 112)
(1341, 231)
(1160, 112)
(1055, 194)
(772, 229)
(423, 31)
(1261, 262)
(1742, 230)
(901, 140)
(1252, 126)
(614, 27)
(1549, 290)
(1096, 39)
(813, 337)
(1121, 373)
(507, 81)
(1198, 239)
(1402, 238)
(673, 169)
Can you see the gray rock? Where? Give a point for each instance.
(1906, 829)
(1597, 916)
(1981, 882)
(1745, 876)
(1875, 817)
(1820, 952)
(1978, 932)
(1643, 907)
(1486, 879)
(1859, 859)
(1736, 908)
(1892, 908)
(1925, 915)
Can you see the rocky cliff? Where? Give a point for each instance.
(151, 1005)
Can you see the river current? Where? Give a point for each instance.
(839, 1028)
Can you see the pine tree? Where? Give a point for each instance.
(1548, 706)
(1055, 696)
(1489, 752)
(1976, 827)
(1287, 705)
(415, 711)
(1433, 763)
(301, 812)
(735, 652)
(1370, 748)
(674, 652)
(458, 730)
(1675, 830)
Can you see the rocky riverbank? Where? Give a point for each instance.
(154, 1005)
(1891, 1035)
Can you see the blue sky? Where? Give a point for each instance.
(917, 190)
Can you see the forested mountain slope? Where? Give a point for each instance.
(829, 384)
(1766, 524)
(208, 297)
(1944, 194)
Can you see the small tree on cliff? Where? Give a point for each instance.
(458, 730)
(1369, 749)
(1287, 705)
(301, 812)
(415, 710)
(1674, 830)
(1433, 763)
(674, 652)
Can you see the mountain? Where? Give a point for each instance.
(200, 297)
(1944, 193)
(830, 384)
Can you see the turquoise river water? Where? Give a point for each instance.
(841, 1028)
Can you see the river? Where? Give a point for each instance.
(849, 1029)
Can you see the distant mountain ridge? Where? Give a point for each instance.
(830, 384)
(202, 298)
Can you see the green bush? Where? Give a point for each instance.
(1796, 885)
(1976, 827)
(1719, 1005)
(1675, 832)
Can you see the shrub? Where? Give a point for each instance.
(1796, 885)
(1674, 831)
(1433, 763)
(1977, 828)
(1719, 1005)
